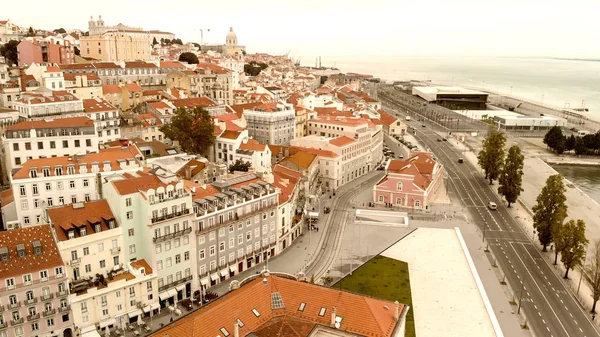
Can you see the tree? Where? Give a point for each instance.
(327, 280)
(9, 51)
(570, 143)
(491, 157)
(197, 45)
(254, 68)
(60, 31)
(574, 241)
(193, 129)
(189, 58)
(580, 146)
(240, 165)
(177, 41)
(77, 51)
(591, 274)
(550, 209)
(30, 32)
(553, 136)
(511, 177)
(312, 279)
(154, 42)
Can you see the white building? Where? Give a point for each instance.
(235, 63)
(89, 240)
(105, 117)
(47, 103)
(43, 183)
(227, 144)
(48, 138)
(272, 123)
(257, 154)
(155, 212)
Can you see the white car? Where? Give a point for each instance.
(492, 205)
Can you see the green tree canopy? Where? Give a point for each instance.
(60, 31)
(570, 143)
(574, 243)
(190, 58)
(240, 165)
(491, 157)
(192, 129)
(511, 177)
(254, 68)
(553, 136)
(550, 210)
(30, 32)
(9, 51)
(154, 42)
(580, 147)
(591, 274)
(76, 51)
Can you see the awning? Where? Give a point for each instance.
(232, 269)
(172, 292)
(155, 306)
(134, 313)
(204, 281)
(110, 321)
(180, 287)
(146, 309)
(224, 272)
(214, 276)
(163, 296)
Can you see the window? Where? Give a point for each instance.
(212, 250)
(158, 248)
(76, 142)
(27, 279)
(16, 146)
(381, 198)
(201, 255)
(128, 202)
(132, 249)
(65, 144)
(159, 265)
(240, 239)
(44, 275)
(86, 183)
(88, 268)
(35, 189)
(221, 246)
(50, 321)
(167, 246)
(27, 146)
(417, 203)
(22, 191)
(72, 184)
(35, 326)
(88, 142)
(102, 264)
(231, 242)
(399, 186)
(52, 144)
(130, 232)
(177, 258)
(130, 215)
(87, 197)
(24, 205)
(169, 262)
(186, 256)
(26, 220)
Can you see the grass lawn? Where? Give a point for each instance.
(383, 278)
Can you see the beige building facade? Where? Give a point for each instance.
(116, 46)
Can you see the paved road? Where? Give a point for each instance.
(551, 307)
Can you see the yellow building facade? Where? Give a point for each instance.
(116, 46)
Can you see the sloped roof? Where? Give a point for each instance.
(68, 217)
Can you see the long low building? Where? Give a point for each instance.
(452, 97)
(509, 120)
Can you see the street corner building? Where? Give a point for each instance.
(270, 305)
(409, 183)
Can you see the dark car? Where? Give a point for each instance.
(445, 139)
(439, 140)
(422, 125)
(460, 160)
(327, 210)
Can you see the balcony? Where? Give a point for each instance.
(115, 250)
(170, 216)
(175, 283)
(49, 312)
(16, 321)
(31, 301)
(175, 196)
(62, 293)
(1, 308)
(14, 305)
(3, 325)
(47, 297)
(33, 317)
(64, 308)
(75, 262)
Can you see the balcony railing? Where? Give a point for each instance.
(235, 218)
(33, 317)
(75, 262)
(31, 301)
(16, 321)
(64, 308)
(62, 293)
(46, 297)
(175, 196)
(115, 250)
(3, 325)
(172, 235)
(49, 312)
(14, 305)
(175, 283)
(169, 216)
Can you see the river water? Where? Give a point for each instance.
(587, 178)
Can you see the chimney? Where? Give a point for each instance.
(333, 316)
(396, 310)
(188, 172)
(236, 329)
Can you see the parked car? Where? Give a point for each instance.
(439, 140)
(327, 210)
(492, 205)
(460, 160)
(445, 139)
(422, 125)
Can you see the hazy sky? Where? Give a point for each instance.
(553, 28)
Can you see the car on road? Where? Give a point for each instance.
(445, 139)
(460, 160)
(492, 205)
(401, 156)
(327, 210)
(439, 140)
(422, 125)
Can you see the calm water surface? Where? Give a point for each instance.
(587, 178)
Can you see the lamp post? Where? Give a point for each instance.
(521, 297)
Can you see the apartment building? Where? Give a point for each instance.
(155, 212)
(255, 153)
(33, 290)
(271, 123)
(34, 50)
(289, 224)
(235, 226)
(207, 79)
(115, 46)
(123, 96)
(102, 285)
(105, 117)
(44, 183)
(82, 85)
(47, 103)
(227, 144)
(48, 138)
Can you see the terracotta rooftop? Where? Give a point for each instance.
(73, 122)
(386, 118)
(318, 152)
(113, 155)
(286, 180)
(341, 141)
(7, 197)
(75, 216)
(194, 165)
(111, 89)
(303, 307)
(230, 134)
(136, 184)
(16, 266)
(142, 264)
(106, 65)
(252, 145)
(301, 159)
(171, 64)
(89, 76)
(159, 105)
(97, 105)
(140, 64)
(57, 97)
(190, 103)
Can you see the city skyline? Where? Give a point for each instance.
(515, 29)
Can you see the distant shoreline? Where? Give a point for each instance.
(572, 162)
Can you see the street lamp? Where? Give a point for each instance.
(521, 297)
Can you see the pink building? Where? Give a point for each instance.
(38, 51)
(409, 183)
(33, 286)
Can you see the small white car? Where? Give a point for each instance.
(492, 205)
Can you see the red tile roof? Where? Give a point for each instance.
(252, 145)
(16, 266)
(97, 105)
(190, 103)
(421, 166)
(57, 97)
(7, 197)
(69, 217)
(111, 89)
(140, 64)
(301, 159)
(214, 67)
(53, 69)
(386, 118)
(321, 153)
(341, 141)
(142, 264)
(364, 316)
(106, 65)
(113, 155)
(171, 64)
(137, 184)
(90, 76)
(230, 134)
(159, 105)
(196, 167)
(286, 180)
(71, 122)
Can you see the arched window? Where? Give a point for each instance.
(381, 198)
(399, 201)
(399, 186)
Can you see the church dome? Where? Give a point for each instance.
(231, 38)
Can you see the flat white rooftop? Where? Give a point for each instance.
(448, 90)
(446, 297)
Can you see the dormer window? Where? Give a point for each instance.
(33, 173)
(71, 169)
(37, 247)
(82, 231)
(71, 234)
(98, 228)
(21, 250)
(161, 196)
(46, 171)
(151, 198)
(111, 224)
(58, 170)
(4, 254)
